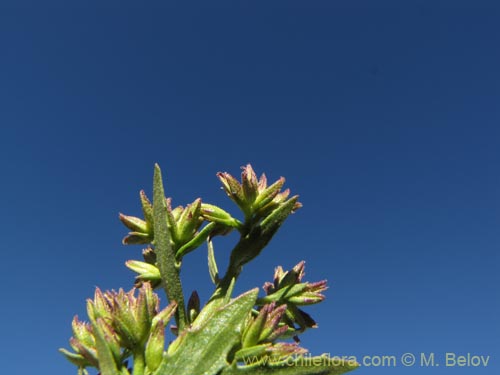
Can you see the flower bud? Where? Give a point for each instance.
(267, 195)
(265, 326)
(74, 358)
(147, 210)
(82, 332)
(189, 221)
(111, 338)
(193, 306)
(287, 289)
(155, 346)
(218, 215)
(136, 238)
(166, 314)
(146, 272)
(134, 223)
(249, 184)
(252, 353)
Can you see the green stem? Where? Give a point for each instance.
(165, 252)
(139, 363)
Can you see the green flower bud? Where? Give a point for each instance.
(252, 353)
(189, 221)
(146, 272)
(99, 307)
(134, 223)
(155, 346)
(254, 329)
(193, 306)
(267, 195)
(82, 332)
(111, 338)
(74, 358)
(166, 314)
(136, 238)
(218, 215)
(147, 209)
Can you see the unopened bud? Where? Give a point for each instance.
(155, 346)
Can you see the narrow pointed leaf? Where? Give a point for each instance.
(164, 251)
(212, 265)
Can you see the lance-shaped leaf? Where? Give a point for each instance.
(204, 347)
(321, 365)
(164, 251)
(212, 264)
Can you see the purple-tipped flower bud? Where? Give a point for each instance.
(265, 326)
(232, 187)
(82, 332)
(312, 294)
(249, 184)
(83, 343)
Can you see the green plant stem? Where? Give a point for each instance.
(139, 363)
(165, 252)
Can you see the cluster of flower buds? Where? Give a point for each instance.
(261, 332)
(265, 208)
(183, 224)
(288, 289)
(265, 327)
(253, 196)
(121, 324)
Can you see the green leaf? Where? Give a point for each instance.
(321, 365)
(204, 347)
(164, 251)
(212, 264)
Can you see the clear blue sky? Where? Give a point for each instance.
(385, 118)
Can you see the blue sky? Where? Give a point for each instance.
(383, 117)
